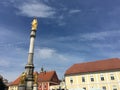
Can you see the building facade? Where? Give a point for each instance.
(61, 86)
(97, 75)
(47, 79)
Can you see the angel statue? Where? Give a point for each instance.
(35, 78)
(22, 78)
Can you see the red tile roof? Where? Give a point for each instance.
(42, 77)
(16, 82)
(46, 76)
(95, 66)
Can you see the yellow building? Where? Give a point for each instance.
(96, 75)
(14, 84)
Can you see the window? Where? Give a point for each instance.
(102, 77)
(84, 88)
(83, 79)
(45, 86)
(112, 77)
(114, 87)
(92, 79)
(71, 80)
(40, 86)
(104, 88)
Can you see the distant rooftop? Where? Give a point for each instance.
(95, 66)
(45, 76)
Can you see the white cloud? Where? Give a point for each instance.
(99, 35)
(103, 45)
(48, 53)
(36, 9)
(74, 11)
(93, 36)
(89, 36)
(45, 53)
(51, 59)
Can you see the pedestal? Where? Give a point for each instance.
(29, 77)
(21, 87)
(35, 87)
(29, 85)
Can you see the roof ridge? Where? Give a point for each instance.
(98, 60)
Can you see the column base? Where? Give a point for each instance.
(35, 87)
(21, 87)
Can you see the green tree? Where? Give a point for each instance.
(2, 85)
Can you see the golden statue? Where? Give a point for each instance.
(22, 78)
(34, 24)
(35, 78)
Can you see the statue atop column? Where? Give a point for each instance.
(34, 24)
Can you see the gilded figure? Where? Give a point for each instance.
(34, 24)
(35, 78)
(22, 78)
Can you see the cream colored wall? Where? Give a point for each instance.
(97, 83)
(56, 87)
(13, 88)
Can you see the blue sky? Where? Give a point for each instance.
(69, 32)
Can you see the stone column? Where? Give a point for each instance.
(29, 68)
(35, 87)
(21, 87)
